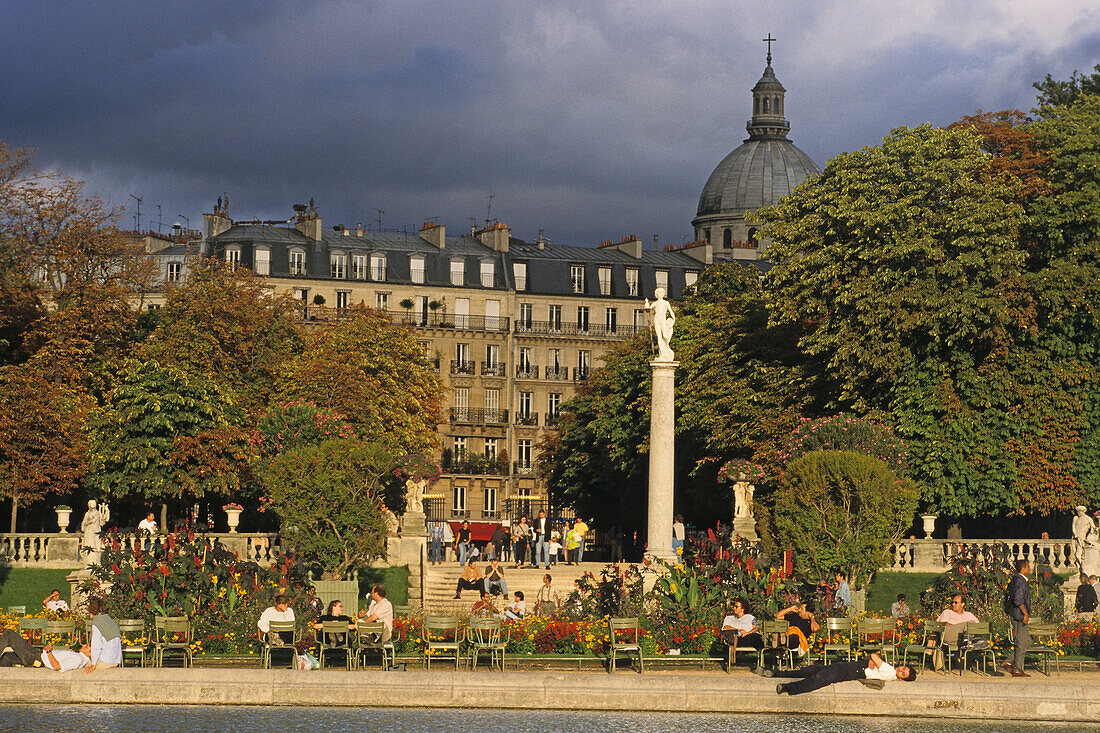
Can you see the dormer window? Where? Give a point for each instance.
(632, 281)
(488, 273)
(416, 269)
(261, 261)
(576, 277)
(359, 267)
(233, 256)
(605, 281)
(662, 280)
(519, 271)
(297, 262)
(338, 265)
(458, 272)
(378, 267)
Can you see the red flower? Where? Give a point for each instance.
(164, 570)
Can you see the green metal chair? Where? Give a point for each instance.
(17, 610)
(631, 630)
(33, 630)
(172, 634)
(1042, 638)
(62, 633)
(484, 635)
(273, 640)
(872, 637)
(442, 638)
(134, 640)
(837, 628)
(334, 637)
(932, 630)
(775, 635)
(368, 638)
(976, 631)
(732, 651)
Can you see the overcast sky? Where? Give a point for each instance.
(587, 119)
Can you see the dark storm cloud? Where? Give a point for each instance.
(587, 120)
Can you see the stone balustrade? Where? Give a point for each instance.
(62, 551)
(934, 556)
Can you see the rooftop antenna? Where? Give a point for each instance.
(489, 210)
(473, 224)
(186, 221)
(137, 216)
(159, 219)
(379, 219)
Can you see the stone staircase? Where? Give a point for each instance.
(440, 581)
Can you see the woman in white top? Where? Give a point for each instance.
(517, 609)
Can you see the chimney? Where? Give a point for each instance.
(541, 241)
(630, 244)
(495, 236)
(656, 247)
(434, 234)
(359, 229)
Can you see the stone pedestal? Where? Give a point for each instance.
(63, 549)
(414, 524)
(662, 460)
(77, 600)
(745, 528)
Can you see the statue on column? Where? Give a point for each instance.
(663, 321)
(414, 496)
(91, 526)
(1082, 523)
(742, 499)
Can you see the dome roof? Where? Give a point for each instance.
(757, 174)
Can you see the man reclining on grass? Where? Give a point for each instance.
(816, 676)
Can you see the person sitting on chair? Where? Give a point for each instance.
(739, 629)
(334, 612)
(815, 676)
(54, 603)
(803, 625)
(956, 617)
(380, 609)
(280, 611)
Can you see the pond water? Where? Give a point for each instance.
(199, 719)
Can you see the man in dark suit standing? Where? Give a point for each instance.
(1018, 607)
(542, 540)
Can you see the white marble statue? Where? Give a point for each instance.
(663, 321)
(414, 496)
(742, 499)
(1090, 555)
(1082, 523)
(92, 525)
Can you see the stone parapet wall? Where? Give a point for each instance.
(934, 556)
(62, 551)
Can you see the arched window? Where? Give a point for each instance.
(756, 111)
(752, 235)
(765, 105)
(779, 105)
(775, 106)
(727, 238)
(706, 235)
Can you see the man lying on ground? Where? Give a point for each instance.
(816, 676)
(60, 660)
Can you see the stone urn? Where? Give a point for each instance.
(232, 517)
(63, 514)
(929, 524)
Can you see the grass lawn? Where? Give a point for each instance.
(28, 586)
(396, 581)
(886, 586)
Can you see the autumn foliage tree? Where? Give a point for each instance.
(375, 375)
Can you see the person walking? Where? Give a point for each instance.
(462, 542)
(581, 528)
(1017, 605)
(678, 534)
(435, 535)
(521, 537)
(541, 540)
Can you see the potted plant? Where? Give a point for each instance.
(63, 513)
(233, 515)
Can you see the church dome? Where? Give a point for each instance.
(758, 173)
(764, 169)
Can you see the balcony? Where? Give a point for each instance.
(447, 320)
(560, 373)
(478, 416)
(493, 369)
(581, 373)
(527, 371)
(527, 418)
(525, 468)
(464, 367)
(552, 418)
(591, 330)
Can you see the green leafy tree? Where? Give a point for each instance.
(224, 323)
(1054, 93)
(373, 373)
(328, 498)
(167, 434)
(841, 511)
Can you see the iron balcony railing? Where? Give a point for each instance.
(447, 320)
(478, 416)
(560, 328)
(557, 372)
(527, 371)
(493, 369)
(552, 418)
(527, 418)
(581, 373)
(525, 468)
(464, 367)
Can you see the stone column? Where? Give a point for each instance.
(662, 459)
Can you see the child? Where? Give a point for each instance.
(555, 548)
